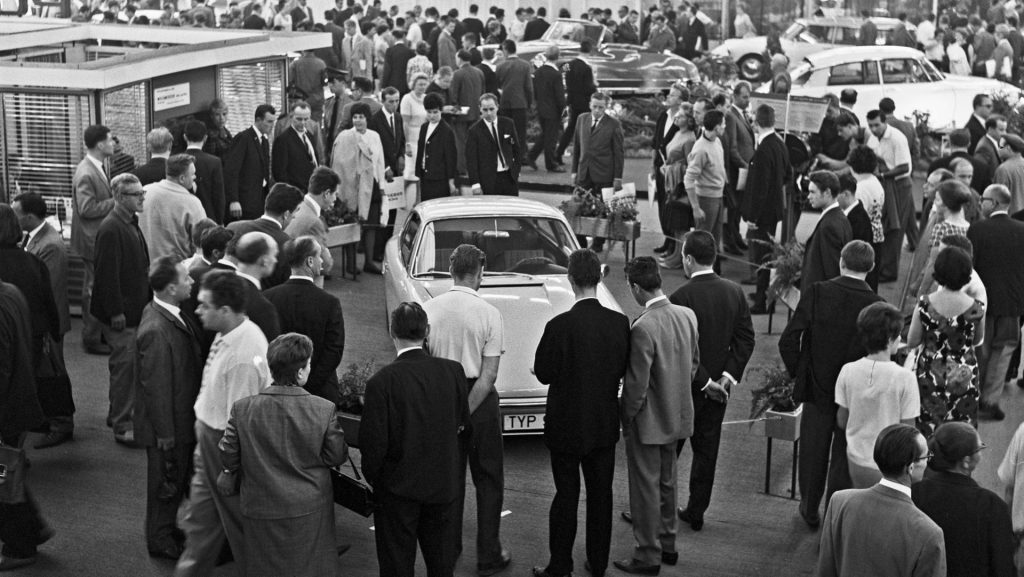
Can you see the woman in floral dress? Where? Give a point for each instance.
(948, 324)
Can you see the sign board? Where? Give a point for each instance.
(793, 113)
(173, 96)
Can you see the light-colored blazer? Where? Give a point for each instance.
(305, 221)
(48, 245)
(93, 200)
(359, 160)
(656, 400)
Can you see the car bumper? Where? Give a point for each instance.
(523, 416)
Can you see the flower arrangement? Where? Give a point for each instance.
(774, 393)
(352, 385)
(786, 261)
(340, 213)
(585, 203)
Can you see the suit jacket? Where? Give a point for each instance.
(281, 270)
(393, 143)
(254, 22)
(821, 257)
(306, 222)
(661, 139)
(770, 171)
(726, 333)
(93, 200)
(549, 92)
(416, 408)
(247, 173)
(329, 132)
(29, 273)
(261, 311)
(740, 134)
(446, 50)
(153, 171)
(482, 153)
(977, 130)
(987, 153)
(579, 83)
(582, 356)
(975, 523)
(821, 336)
(980, 168)
(515, 81)
(209, 184)
(170, 371)
(357, 56)
(490, 79)
(48, 245)
(860, 223)
(122, 269)
(20, 410)
(879, 531)
(304, 308)
(1001, 270)
(663, 358)
(438, 153)
(695, 33)
(535, 29)
(283, 480)
(467, 86)
(292, 161)
(395, 60)
(597, 156)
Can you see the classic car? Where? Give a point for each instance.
(900, 73)
(528, 245)
(805, 36)
(618, 68)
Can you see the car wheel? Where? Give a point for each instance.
(751, 67)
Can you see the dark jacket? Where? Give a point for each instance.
(661, 139)
(535, 29)
(392, 143)
(975, 524)
(763, 200)
(439, 152)
(977, 130)
(549, 92)
(304, 308)
(822, 336)
(416, 408)
(281, 270)
(153, 171)
(980, 168)
(515, 80)
(597, 155)
(395, 60)
(482, 153)
(490, 79)
(292, 162)
(246, 168)
(29, 273)
(19, 405)
(579, 84)
(122, 269)
(821, 257)
(1000, 269)
(209, 184)
(582, 356)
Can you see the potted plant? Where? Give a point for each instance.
(588, 215)
(785, 263)
(352, 392)
(773, 400)
(342, 225)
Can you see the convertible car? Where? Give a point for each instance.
(528, 246)
(618, 68)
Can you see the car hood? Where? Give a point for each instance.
(986, 85)
(526, 304)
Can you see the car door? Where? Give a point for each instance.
(397, 282)
(860, 75)
(905, 81)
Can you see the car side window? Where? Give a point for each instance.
(843, 74)
(412, 226)
(871, 72)
(900, 71)
(847, 36)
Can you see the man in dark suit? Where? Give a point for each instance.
(472, 24)
(395, 60)
(959, 143)
(436, 155)
(122, 291)
(465, 91)
(487, 67)
(170, 371)
(726, 341)
(159, 141)
(209, 182)
(536, 28)
(277, 214)
(987, 149)
(493, 151)
(695, 38)
(597, 155)
(294, 154)
(247, 167)
(255, 254)
(739, 133)
(254, 21)
(821, 257)
(1002, 272)
(515, 82)
(582, 356)
(579, 85)
(304, 308)
(387, 123)
(868, 33)
(416, 399)
(819, 339)
(469, 44)
(665, 130)
(857, 215)
(982, 105)
(549, 94)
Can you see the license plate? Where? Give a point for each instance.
(526, 422)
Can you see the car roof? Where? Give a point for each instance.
(848, 21)
(469, 206)
(860, 53)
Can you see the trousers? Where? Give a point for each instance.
(21, 524)
(1001, 337)
(549, 128)
(485, 455)
(823, 463)
(401, 523)
(598, 472)
(122, 376)
(162, 514)
(707, 436)
(652, 498)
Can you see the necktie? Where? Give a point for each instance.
(265, 157)
(24, 241)
(494, 133)
(391, 124)
(594, 127)
(309, 147)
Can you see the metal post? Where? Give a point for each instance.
(792, 478)
(768, 468)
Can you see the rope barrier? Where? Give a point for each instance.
(745, 421)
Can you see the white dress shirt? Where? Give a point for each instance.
(235, 369)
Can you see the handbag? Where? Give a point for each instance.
(351, 493)
(12, 475)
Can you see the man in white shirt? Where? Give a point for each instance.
(235, 369)
(891, 146)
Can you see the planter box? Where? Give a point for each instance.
(604, 228)
(783, 426)
(350, 424)
(343, 234)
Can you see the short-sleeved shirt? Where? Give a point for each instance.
(235, 369)
(877, 394)
(464, 328)
(892, 148)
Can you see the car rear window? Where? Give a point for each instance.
(532, 245)
(849, 73)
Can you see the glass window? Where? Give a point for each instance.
(412, 226)
(903, 71)
(848, 36)
(843, 74)
(793, 31)
(531, 245)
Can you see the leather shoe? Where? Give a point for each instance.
(557, 169)
(669, 558)
(627, 517)
(170, 551)
(54, 438)
(637, 568)
(696, 522)
(812, 520)
(531, 163)
(45, 534)
(496, 567)
(372, 268)
(98, 349)
(11, 563)
(543, 572)
(126, 438)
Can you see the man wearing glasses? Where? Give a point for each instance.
(1011, 172)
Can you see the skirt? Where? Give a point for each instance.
(299, 547)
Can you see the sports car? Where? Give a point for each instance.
(528, 245)
(618, 68)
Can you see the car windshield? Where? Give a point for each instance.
(521, 244)
(801, 74)
(798, 31)
(572, 32)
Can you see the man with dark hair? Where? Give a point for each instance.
(847, 100)
(172, 210)
(159, 142)
(213, 243)
(823, 248)
(597, 153)
(705, 177)
(579, 86)
(515, 82)
(466, 88)
(305, 308)
(308, 218)
(362, 93)
(209, 181)
(388, 124)
(549, 94)
(868, 33)
(657, 413)
(256, 255)
(468, 329)
(982, 105)
(247, 166)
(888, 106)
(122, 291)
(307, 74)
(416, 399)
(487, 66)
(93, 200)
(819, 339)
(892, 149)
(959, 144)
(170, 372)
(857, 216)
(279, 210)
(493, 151)
(988, 148)
(396, 57)
(582, 356)
(294, 155)
(235, 368)
(472, 24)
(536, 27)
(862, 522)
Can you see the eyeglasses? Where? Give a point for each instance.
(140, 193)
(925, 458)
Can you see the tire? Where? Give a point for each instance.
(752, 67)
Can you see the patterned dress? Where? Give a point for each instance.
(947, 370)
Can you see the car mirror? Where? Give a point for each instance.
(605, 270)
(496, 234)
